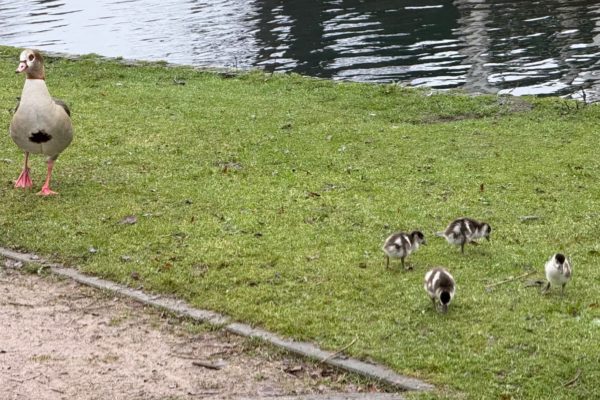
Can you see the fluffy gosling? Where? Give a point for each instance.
(558, 272)
(401, 245)
(439, 285)
(465, 230)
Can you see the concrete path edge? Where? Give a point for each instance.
(373, 371)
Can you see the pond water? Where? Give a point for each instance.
(549, 47)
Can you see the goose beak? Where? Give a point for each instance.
(22, 67)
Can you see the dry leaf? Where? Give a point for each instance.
(129, 220)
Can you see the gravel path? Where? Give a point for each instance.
(61, 340)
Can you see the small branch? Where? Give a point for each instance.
(512, 278)
(527, 218)
(24, 380)
(14, 303)
(34, 377)
(185, 356)
(206, 393)
(90, 310)
(338, 352)
(574, 379)
(537, 282)
(208, 364)
(91, 306)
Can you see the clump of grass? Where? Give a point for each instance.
(267, 197)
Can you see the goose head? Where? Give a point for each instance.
(32, 63)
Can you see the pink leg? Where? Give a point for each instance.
(46, 187)
(24, 181)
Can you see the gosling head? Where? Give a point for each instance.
(445, 299)
(417, 238)
(560, 261)
(486, 230)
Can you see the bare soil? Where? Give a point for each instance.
(61, 340)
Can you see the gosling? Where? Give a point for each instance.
(558, 272)
(401, 245)
(465, 230)
(440, 286)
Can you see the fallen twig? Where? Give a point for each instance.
(24, 380)
(208, 364)
(512, 278)
(14, 303)
(185, 356)
(338, 352)
(90, 310)
(193, 357)
(537, 282)
(574, 379)
(90, 304)
(526, 218)
(206, 393)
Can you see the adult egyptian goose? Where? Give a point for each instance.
(465, 230)
(558, 272)
(401, 245)
(440, 286)
(41, 124)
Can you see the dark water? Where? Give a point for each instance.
(519, 47)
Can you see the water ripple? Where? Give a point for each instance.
(542, 47)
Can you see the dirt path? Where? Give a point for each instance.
(61, 340)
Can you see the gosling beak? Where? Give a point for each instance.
(22, 67)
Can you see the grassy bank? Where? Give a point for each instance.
(268, 198)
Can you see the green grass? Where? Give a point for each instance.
(268, 198)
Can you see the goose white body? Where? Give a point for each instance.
(38, 112)
(41, 124)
